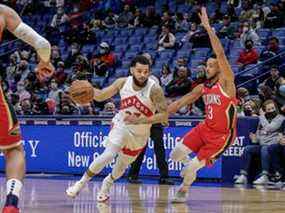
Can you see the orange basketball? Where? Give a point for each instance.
(81, 92)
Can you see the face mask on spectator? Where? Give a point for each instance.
(247, 112)
(270, 115)
(102, 51)
(248, 46)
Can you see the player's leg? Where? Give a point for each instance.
(95, 168)
(191, 142)
(122, 163)
(15, 172)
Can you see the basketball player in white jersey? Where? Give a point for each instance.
(141, 97)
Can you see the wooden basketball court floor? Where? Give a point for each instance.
(47, 195)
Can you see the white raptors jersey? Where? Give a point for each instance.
(138, 103)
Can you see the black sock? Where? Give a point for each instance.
(11, 200)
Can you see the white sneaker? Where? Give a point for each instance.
(104, 193)
(180, 197)
(242, 179)
(74, 190)
(262, 180)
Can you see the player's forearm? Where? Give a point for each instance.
(31, 37)
(215, 42)
(24, 32)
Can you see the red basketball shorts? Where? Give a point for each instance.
(207, 143)
(10, 135)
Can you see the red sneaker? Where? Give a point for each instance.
(10, 209)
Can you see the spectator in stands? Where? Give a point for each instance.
(277, 155)
(166, 75)
(194, 17)
(275, 80)
(125, 17)
(111, 20)
(26, 107)
(192, 31)
(227, 30)
(137, 20)
(66, 107)
(151, 18)
(249, 34)
(243, 95)
(166, 20)
(180, 85)
(81, 69)
(180, 62)
(109, 109)
(59, 18)
(11, 69)
(59, 75)
(104, 61)
(200, 39)
(258, 18)
(248, 55)
(232, 13)
(181, 23)
(269, 126)
(87, 35)
(74, 51)
(271, 50)
(274, 18)
(55, 55)
(54, 93)
(249, 108)
(166, 39)
(247, 12)
(22, 92)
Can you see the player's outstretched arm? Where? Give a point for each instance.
(12, 22)
(217, 47)
(158, 98)
(187, 99)
(110, 91)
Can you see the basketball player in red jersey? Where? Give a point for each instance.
(10, 135)
(216, 133)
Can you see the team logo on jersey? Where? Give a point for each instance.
(133, 101)
(212, 99)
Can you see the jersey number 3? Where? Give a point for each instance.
(210, 112)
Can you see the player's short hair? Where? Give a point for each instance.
(141, 60)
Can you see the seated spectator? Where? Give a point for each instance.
(111, 20)
(109, 109)
(180, 62)
(265, 93)
(243, 95)
(180, 85)
(249, 34)
(192, 31)
(217, 17)
(267, 132)
(227, 30)
(151, 18)
(104, 61)
(274, 18)
(247, 56)
(272, 49)
(277, 154)
(249, 108)
(54, 92)
(166, 20)
(232, 13)
(181, 23)
(22, 92)
(87, 35)
(81, 69)
(125, 17)
(26, 107)
(275, 80)
(166, 39)
(166, 75)
(73, 53)
(258, 18)
(200, 39)
(59, 18)
(59, 74)
(247, 12)
(55, 55)
(137, 20)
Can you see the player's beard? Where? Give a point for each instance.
(138, 83)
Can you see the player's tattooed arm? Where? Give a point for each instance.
(110, 91)
(158, 98)
(187, 99)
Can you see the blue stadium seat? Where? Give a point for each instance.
(140, 31)
(150, 46)
(279, 33)
(264, 32)
(136, 48)
(119, 41)
(121, 48)
(135, 40)
(130, 55)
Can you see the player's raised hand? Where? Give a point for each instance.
(44, 70)
(204, 18)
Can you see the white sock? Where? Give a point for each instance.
(14, 187)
